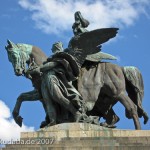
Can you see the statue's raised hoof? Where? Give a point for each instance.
(19, 120)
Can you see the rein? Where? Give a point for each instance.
(23, 60)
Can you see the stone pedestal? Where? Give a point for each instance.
(82, 136)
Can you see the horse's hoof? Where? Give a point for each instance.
(104, 124)
(146, 118)
(43, 124)
(19, 120)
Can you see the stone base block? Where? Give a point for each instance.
(82, 136)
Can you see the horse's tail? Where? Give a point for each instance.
(135, 89)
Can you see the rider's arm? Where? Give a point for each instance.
(43, 68)
(48, 66)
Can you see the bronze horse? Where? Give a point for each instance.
(110, 81)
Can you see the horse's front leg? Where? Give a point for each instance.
(28, 96)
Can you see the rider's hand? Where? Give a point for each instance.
(34, 71)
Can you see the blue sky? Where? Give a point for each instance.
(44, 22)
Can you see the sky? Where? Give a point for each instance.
(44, 22)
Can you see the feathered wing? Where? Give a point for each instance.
(97, 57)
(90, 43)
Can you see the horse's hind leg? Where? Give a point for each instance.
(140, 108)
(131, 108)
(136, 97)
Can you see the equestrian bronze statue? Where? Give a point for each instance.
(76, 81)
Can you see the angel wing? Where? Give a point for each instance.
(89, 43)
(97, 57)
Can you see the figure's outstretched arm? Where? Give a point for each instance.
(43, 68)
(48, 66)
(28, 96)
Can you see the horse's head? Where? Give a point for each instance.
(18, 55)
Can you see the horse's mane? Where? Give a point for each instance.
(38, 55)
(36, 52)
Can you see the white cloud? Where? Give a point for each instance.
(53, 16)
(8, 128)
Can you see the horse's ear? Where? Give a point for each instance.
(10, 45)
